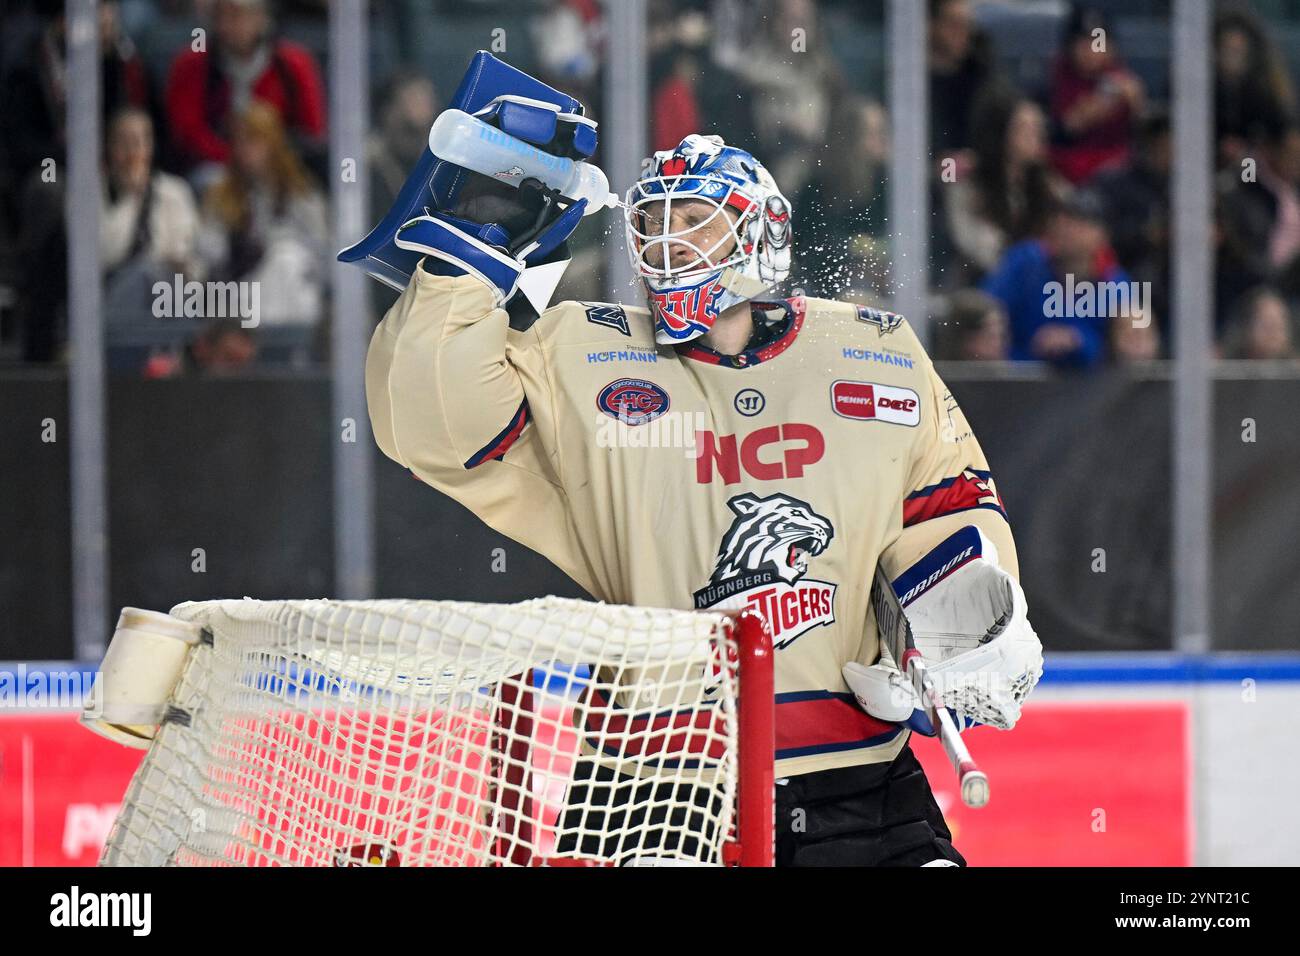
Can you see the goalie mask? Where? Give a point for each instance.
(707, 229)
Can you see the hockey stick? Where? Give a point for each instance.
(896, 632)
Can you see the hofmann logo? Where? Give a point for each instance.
(879, 356)
(633, 354)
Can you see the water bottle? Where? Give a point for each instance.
(465, 140)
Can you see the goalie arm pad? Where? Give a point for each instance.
(969, 620)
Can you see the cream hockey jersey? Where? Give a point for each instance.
(680, 477)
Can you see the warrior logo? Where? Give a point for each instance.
(689, 312)
(762, 563)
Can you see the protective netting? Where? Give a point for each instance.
(425, 733)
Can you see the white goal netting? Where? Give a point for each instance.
(439, 733)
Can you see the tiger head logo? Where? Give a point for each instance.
(777, 534)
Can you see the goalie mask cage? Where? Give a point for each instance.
(440, 733)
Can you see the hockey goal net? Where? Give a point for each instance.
(439, 733)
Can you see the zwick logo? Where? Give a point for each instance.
(801, 445)
(686, 312)
(74, 909)
(871, 401)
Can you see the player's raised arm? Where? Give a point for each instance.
(439, 389)
(438, 380)
(448, 399)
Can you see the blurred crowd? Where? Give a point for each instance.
(215, 165)
(212, 169)
(1071, 187)
(1035, 193)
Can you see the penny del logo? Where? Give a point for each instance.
(872, 401)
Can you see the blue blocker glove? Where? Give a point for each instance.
(496, 231)
(460, 222)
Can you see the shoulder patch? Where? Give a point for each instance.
(612, 316)
(886, 321)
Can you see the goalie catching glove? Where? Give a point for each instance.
(968, 618)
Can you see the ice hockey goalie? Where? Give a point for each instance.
(715, 446)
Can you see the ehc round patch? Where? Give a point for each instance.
(633, 401)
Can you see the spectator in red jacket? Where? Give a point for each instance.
(1096, 99)
(244, 61)
(675, 110)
